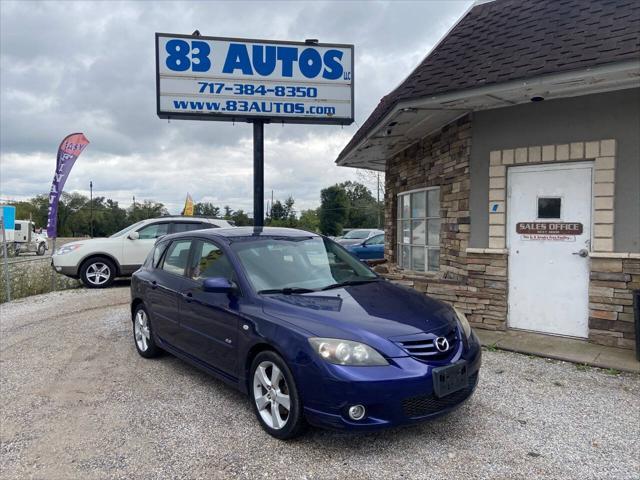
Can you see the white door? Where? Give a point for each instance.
(549, 237)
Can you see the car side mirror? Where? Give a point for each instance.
(217, 285)
(133, 236)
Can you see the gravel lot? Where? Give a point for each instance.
(78, 402)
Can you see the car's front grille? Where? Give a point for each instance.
(422, 405)
(423, 346)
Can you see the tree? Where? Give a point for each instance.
(363, 208)
(147, 209)
(73, 220)
(334, 210)
(241, 219)
(206, 209)
(228, 212)
(290, 212)
(109, 218)
(28, 210)
(283, 215)
(309, 220)
(375, 181)
(278, 212)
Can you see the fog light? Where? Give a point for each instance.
(357, 412)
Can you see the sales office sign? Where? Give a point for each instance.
(555, 231)
(211, 78)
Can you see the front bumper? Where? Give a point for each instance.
(398, 394)
(69, 271)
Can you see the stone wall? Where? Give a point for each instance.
(612, 282)
(482, 297)
(475, 282)
(439, 160)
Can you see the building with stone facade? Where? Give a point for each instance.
(512, 162)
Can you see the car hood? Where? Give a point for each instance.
(87, 241)
(370, 313)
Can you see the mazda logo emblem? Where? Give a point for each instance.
(442, 344)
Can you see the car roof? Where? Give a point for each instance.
(238, 233)
(374, 230)
(192, 218)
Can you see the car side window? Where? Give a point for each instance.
(210, 261)
(377, 240)
(189, 226)
(154, 230)
(177, 257)
(158, 250)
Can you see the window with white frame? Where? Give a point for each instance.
(419, 230)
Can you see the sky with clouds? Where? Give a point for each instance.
(89, 66)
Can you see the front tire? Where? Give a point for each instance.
(143, 335)
(98, 272)
(41, 249)
(274, 396)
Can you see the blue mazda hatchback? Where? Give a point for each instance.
(309, 332)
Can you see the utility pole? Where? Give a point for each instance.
(91, 207)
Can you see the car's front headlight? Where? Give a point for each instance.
(346, 352)
(68, 249)
(464, 323)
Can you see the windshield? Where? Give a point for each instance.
(357, 234)
(298, 263)
(127, 229)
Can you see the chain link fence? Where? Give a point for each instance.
(29, 274)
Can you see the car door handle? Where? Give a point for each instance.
(188, 297)
(583, 252)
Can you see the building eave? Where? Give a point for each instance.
(411, 120)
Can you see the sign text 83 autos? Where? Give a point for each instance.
(204, 77)
(261, 60)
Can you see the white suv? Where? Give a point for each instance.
(98, 261)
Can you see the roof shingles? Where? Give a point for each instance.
(507, 40)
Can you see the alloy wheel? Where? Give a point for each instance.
(141, 330)
(271, 394)
(98, 273)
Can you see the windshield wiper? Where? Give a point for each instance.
(348, 283)
(287, 290)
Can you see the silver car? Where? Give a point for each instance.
(358, 235)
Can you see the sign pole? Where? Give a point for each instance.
(258, 173)
(6, 262)
(53, 271)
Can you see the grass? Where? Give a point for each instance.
(32, 278)
(583, 367)
(491, 348)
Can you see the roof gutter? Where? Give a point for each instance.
(609, 77)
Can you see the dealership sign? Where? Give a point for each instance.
(211, 78)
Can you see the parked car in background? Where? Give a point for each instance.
(358, 235)
(308, 331)
(369, 249)
(98, 261)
